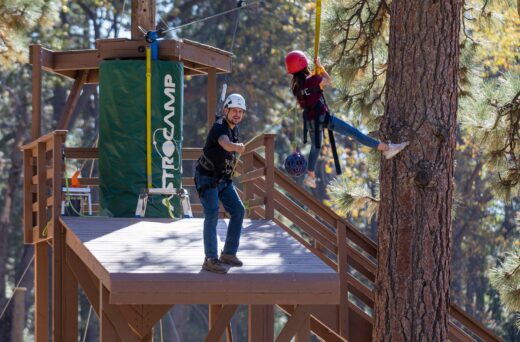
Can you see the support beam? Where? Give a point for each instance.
(72, 100)
(269, 177)
(86, 279)
(301, 314)
(69, 303)
(35, 57)
(107, 331)
(41, 292)
(142, 318)
(342, 261)
(58, 261)
(261, 323)
(143, 14)
(221, 322)
(28, 196)
(212, 97)
(304, 331)
(114, 327)
(18, 314)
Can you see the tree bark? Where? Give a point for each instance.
(413, 275)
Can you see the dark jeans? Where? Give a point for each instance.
(209, 198)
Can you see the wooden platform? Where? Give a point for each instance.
(158, 261)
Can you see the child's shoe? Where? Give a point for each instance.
(394, 149)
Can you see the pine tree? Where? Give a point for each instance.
(506, 279)
(19, 17)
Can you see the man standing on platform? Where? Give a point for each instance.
(213, 182)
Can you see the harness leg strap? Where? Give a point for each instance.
(334, 152)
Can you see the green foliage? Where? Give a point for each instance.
(354, 43)
(506, 279)
(492, 114)
(352, 199)
(495, 29)
(19, 17)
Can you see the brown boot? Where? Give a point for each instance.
(230, 260)
(214, 265)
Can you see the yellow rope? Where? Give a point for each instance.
(317, 32)
(148, 118)
(45, 229)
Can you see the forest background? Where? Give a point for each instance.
(354, 37)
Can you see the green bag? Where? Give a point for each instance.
(122, 135)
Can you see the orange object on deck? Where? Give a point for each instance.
(74, 180)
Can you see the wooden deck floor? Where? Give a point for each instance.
(158, 261)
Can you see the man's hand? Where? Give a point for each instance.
(239, 148)
(229, 146)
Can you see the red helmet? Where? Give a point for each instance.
(295, 61)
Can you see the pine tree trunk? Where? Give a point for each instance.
(413, 276)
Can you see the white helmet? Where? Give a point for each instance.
(235, 101)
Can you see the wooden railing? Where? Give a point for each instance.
(268, 194)
(43, 169)
(317, 225)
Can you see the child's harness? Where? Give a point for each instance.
(318, 109)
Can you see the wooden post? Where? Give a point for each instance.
(143, 14)
(28, 197)
(220, 321)
(304, 331)
(247, 167)
(269, 177)
(342, 260)
(59, 276)
(35, 57)
(18, 314)
(107, 331)
(260, 323)
(58, 329)
(214, 310)
(41, 292)
(41, 192)
(212, 97)
(70, 301)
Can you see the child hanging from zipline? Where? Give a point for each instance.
(308, 90)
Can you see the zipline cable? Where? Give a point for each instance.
(18, 284)
(226, 77)
(244, 4)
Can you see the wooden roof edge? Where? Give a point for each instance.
(208, 47)
(196, 56)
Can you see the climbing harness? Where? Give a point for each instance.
(295, 61)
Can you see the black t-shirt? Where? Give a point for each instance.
(215, 161)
